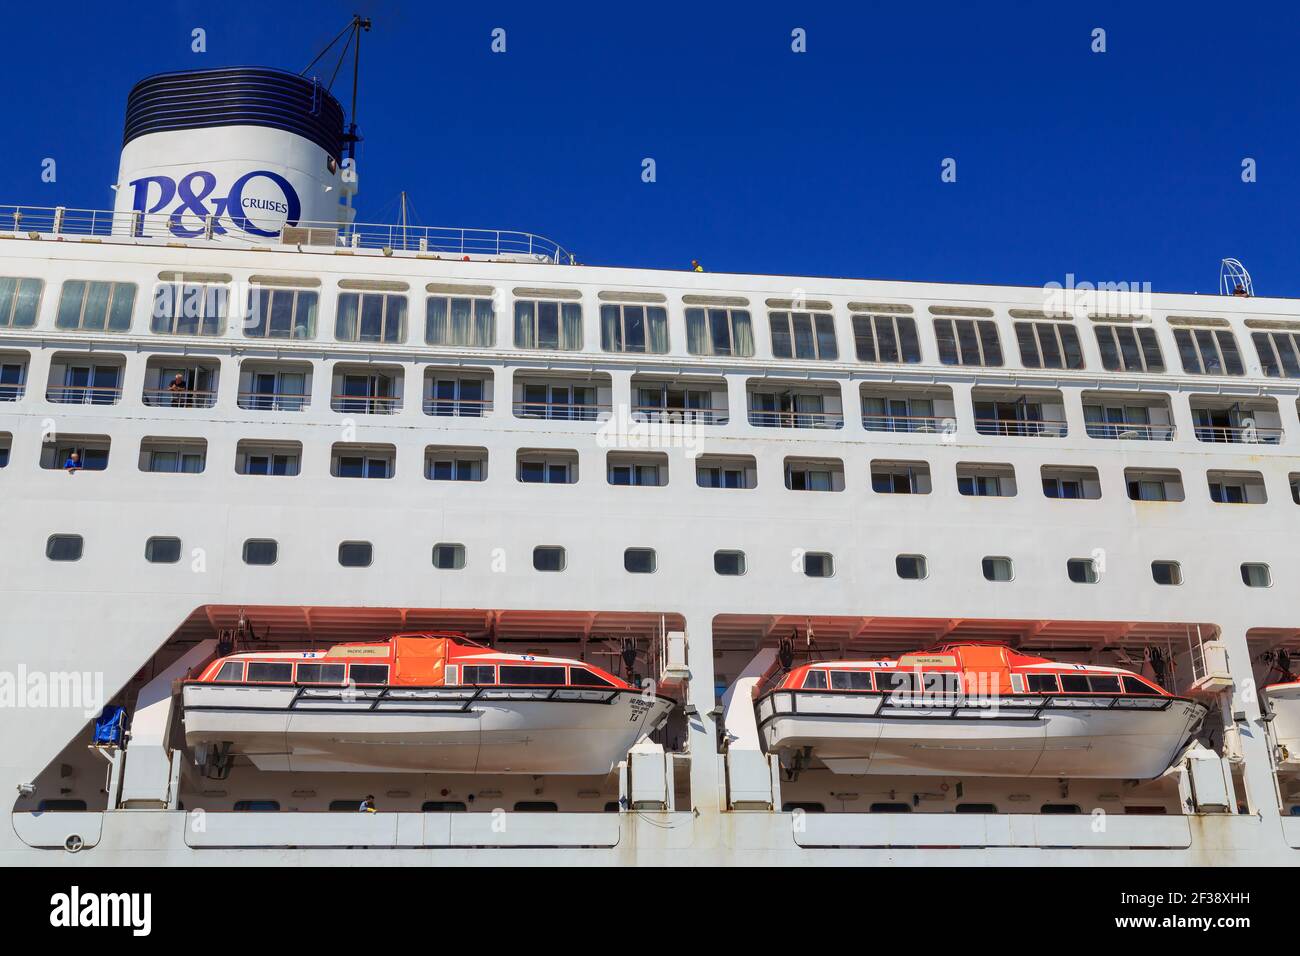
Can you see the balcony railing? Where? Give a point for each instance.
(366, 404)
(11, 393)
(556, 411)
(1132, 431)
(679, 416)
(1246, 434)
(457, 407)
(1046, 428)
(763, 418)
(454, 241)
(273, 401)
(84, 394)
(924, 424)
(182, 398)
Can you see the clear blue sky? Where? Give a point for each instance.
(1122, 166)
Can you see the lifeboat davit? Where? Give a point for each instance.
(975, 710)
(417, 703)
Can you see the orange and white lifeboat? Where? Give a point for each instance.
(417, 703)
(976, 710)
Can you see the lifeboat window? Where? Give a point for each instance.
(1074, 683)
(232, 672)
(815, 680)
(320, 673)
(1104, 685)
(523, 674)
(257, 806)
(891, 808)
(895, 680)
(368, 673)
(581, 677)
(851, 680)
(270, 671)
(1134, 686)
(1042, 683)
(480, 674)
(1059, 808)
(940, 683)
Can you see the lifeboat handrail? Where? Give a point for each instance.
(453, 693)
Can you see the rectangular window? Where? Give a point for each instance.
(1125, 349)
(634, 328)
(542, 471)
(13, 376)
(804, 335)
(723, 332)
(189, 309)
(454, 469)
(539, 676)
(456, 398)
(19, 301)
(232, 672)
(1208, 352)
(478, 674)
(1042, 683)
(96, 306)
(1279, 353)
(460, 322)
(543, 324)
(281, 314)
(1049, 345)
(270, 672)
(886, 338)
(968, 342)
(89, 385)
(370, 317)
(850, 680)
(271, 464)
(368, 673)
(320, 673)
(562, 402)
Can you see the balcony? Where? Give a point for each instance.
(773, 405)
(1245, 421)
(680, 400)
(1019, 413)
(366, 390)
(449, 394)
(13, 376)
(1128, 417)
(915, 410)
(274, 386)
(79, 379)
(170, 383)
(557, 398)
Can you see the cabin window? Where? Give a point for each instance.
(64, 547)
(818, 565)
(1049, 345)
(850, 680)
(541, 324)
(725, 332)
(449, 557)
(1279, 352)
(162, 550)
(1074, 683)
(19, 301)
(189, 309)
(528, 674)
(368, 673)
(1104, 685)
(96, 306)
(1256, 576)
(1041, 683)
(232, 672)
(968, 342)
(814, 680)
(260, 551)
(356, 554)
(548, 558)
(281, 314)
(803, 335)
(460, 322)
(729, 563)
(479, 674)
(320, 673)
(1134, 686)
(370, 317)
(1129, 350)
(581, 677)
(997, 569)
(886, 338)
(270, 672)
(634, 328)
(639, 560)
(1208, 352)
(1167, 572)
(1081, 570)
(911, 567)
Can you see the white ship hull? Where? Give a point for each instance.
(422, 730)
(851, 735)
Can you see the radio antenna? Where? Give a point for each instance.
(353, 32)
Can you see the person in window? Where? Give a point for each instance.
(178, 392)
(1240, 290)
(695, 266)
(368, 805)
(73, 464)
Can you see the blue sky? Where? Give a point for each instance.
(1122, 166)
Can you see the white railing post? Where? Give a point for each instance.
(209, 221)
(58, 219)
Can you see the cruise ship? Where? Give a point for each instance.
(333, 542)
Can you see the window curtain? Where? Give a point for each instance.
(484, 324)
(657, 338)
(571, 326)
(435, 321)
(525, 328)
(461, 315)
(742, 334)
(345, 326)
(610, 338)
(697, 333)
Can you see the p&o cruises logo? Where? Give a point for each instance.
(260, 203)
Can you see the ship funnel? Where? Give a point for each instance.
(235, 153)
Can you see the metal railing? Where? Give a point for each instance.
(11, 393)
(84, 394)
(1139, 431)
(906, 423)
(1246, 434)
(678, 416)
(558, 411)
(366, 404)
(439, 240)
(457, 407)
(273, 401)
(179, 398)
(1043, 428)
(762, 418)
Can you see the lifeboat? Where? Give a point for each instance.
(975, 710)
(415, 703)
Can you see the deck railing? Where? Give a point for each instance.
(274, 401)
(1246, 434)
(1043, 428)
(558, 411)
(762, 418)
(457, 407)
(905, 423)
(1132, 431)
(84, 394)
(366, 404)
(179, 398)
(678, 416)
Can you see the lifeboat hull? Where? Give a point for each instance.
(1284, 704)
(422, 730)
(862, 734)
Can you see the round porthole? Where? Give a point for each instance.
(73, 843)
